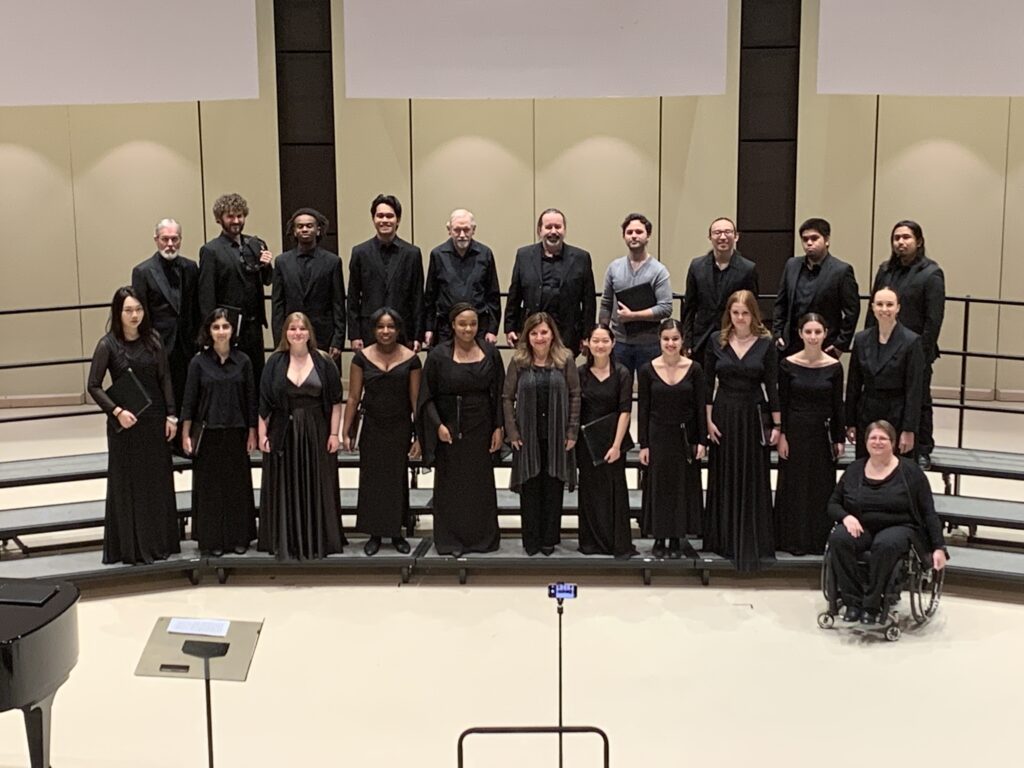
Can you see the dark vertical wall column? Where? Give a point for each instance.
(305, 111)
(769, 91)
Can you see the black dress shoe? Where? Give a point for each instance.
(869, 618)
(401, 545)
(372, 546)
(531, 551)
(216, 552)
(241, 549)
(853, 614)
(627, 555)
(658, 550)
(547, 551)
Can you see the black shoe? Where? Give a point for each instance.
(547, 551)
(216, 552)
(924, 461)
(627, 555)
(241, 549)
(658, 550)
(853, 614)
(870, 618)
(372, 546)
(401, 545)
(531, 551)
(674, 549)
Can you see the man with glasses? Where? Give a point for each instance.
(233, 270)
(710, 280)
(461, 269)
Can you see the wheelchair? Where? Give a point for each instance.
(912, 573)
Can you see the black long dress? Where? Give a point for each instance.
(673, 503)
(604, 527)
(738, 515)
(383, 501)
(812, 421)
(300, 506)
(221, 396)
(466, 398)
(141, 520)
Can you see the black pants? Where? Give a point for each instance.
(925, 438)
(250, 341)
(540, 509)
(887, 547)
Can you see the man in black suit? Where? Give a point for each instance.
(309, 279)
(385, 271)
(461, 269)
(233, 268)
(166, 284)
(710, 280)
(921, 287)
(554, 277)
(816, 282)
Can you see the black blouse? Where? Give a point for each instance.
(120, 356)
(223, 395)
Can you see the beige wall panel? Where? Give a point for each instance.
(36, 198)
(372, 150)
(835, 158)
(698, 165)
(941, 161)
(240, 146)
(597, 160)
(1010, 380)
(476, 155)
(133, 164)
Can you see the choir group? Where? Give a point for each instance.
(718, 384)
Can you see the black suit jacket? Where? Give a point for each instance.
(577, 301)
(921, 290)
(836, 298)
(369, 288)
(702, 307)
(884, 381)
(176, 320)
(322, 300)
(222, 281)
(445, 289)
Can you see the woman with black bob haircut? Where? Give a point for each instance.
(606, 392)
(219, 424)
(384, 384)
(141, 521)
(299, 418)
(460, 426)
(542, 418)
(882, 503)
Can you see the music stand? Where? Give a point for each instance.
(227, 658)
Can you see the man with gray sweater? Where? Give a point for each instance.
(636, 297)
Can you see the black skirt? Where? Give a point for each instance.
(223, 512)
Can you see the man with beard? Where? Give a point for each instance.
(233, 268)
(385, 271)
(554, 277)
(309, 279)
(461, 270)
(166, 283)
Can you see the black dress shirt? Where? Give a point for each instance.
(452, 278)
(222, 394)
(552, 270)
(805, 290)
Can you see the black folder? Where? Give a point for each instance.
(638, 297)
(599, 435)
(127, 392)
(26, 592)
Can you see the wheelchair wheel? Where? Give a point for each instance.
(826, 620)
(925, 593)
(892, 633)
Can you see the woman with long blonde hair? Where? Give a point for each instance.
(743, 423)
(541, 400)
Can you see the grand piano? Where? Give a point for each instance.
(38, 650)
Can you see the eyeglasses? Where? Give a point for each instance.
(723, 232)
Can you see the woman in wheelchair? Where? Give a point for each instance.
(883, 504)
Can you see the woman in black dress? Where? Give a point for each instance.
(883, 504)
(218, 418)
(141, 521)
(743, 423)
(606, 389)
(300, 414)
(811, 397)
(384, 384)
(542, 417)
(672, 423)
(885, 378)
(460, 423)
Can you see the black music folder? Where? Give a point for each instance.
(26, 592)
(599, 435)
(637, 297)
(128, 393)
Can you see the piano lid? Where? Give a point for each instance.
(17, 621)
